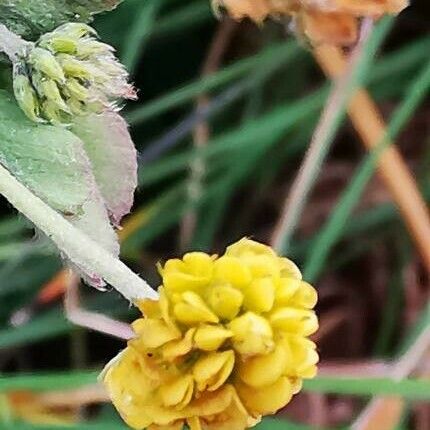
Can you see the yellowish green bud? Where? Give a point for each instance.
(63, 44)
(43, 61)
(77, 30)
(75, 105)
(48, 89)
(26, 96)
(74, 88)
(53, 112)
(67, 73)
(88, 48)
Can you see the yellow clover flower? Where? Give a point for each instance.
(226, 343)
(320, 21)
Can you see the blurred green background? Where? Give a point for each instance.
(261, 105)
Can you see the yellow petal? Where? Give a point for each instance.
(286, 289)
(210, 403)
(259, 295)
(252, 334)
(295, 321)
(212, 370)
(179, 347)
(177, 425)
(306, 296)
(262, 265)
(149, 308)
(232, 271)
(192, 273)
(289, 268)
(153, 333)
(177, 393)
(128, 388)
(225, 301)
(234, 417)
(199, 264)
(264, 369)
(193, 310)
(165, 309)
(180, 282)
(211, 337)
(172, 265)
(303, 357)
(268, 399)
(246, 247)
(194, 423)
(311, 371)
(296, 384)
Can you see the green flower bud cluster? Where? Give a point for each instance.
(68, 73)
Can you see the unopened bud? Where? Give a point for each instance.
(68, 72)
(74, 88)
(48, 88)
(62, 44)
(42, 60)
(26, 96)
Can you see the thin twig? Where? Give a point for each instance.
(296, 200)
(368, 122)
(370, 417)
(91, 320)
(201, 132)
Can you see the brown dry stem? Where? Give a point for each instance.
(368, 122)
(201, 132)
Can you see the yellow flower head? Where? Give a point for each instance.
(226, 343)
(320, 21)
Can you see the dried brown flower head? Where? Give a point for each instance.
(334, 22)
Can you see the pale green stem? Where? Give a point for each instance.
(10, 43)
(79, 248)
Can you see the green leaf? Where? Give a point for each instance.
(31, 18)
(52, 163)
(37, 154)
(111, 151)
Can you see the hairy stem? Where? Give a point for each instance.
(10, 43)
(79, 248)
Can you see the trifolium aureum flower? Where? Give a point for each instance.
(333, 22)
(226, 343)
(68, 73)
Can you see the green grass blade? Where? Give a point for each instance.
(389, 66)
(47, 381)
(187, 17)
(333, 229)
(325, 133)
(412, 389)
(209, 83)
(140, 30)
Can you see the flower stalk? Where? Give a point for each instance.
(11, 44)
(79, 248)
